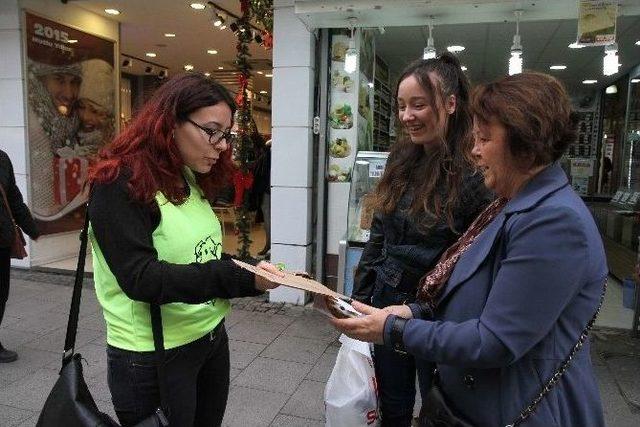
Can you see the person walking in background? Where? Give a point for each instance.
(262, 191)
(513, 299)
(427, 196)
(156, 240)
(19, 211)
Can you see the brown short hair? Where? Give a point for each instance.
(536, 112)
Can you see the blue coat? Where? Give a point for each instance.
(514, 307)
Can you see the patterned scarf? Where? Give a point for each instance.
(433, 283)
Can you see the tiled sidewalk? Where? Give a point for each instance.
(281, 357)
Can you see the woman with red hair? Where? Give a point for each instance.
(156, 240)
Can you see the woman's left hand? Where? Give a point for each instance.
(263, 284)
(369, 328)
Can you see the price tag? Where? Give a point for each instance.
(376, 170)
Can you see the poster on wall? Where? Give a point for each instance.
(597, 22)
(343, 131)
(71, 115)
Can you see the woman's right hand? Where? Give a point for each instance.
(263, 284)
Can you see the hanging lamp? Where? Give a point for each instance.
(610, 62)
(430, 50)
(515, 62)
(351, 56)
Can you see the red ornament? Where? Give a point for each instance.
(239, 99)
(241, 182)
(267, 40)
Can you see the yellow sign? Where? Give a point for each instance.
(597, 22)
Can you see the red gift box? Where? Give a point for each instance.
(69, 175)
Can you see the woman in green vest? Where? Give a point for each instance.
(156, 240)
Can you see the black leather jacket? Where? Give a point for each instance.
(18, 208)
(398, 254)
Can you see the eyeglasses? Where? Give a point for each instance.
(215, 135)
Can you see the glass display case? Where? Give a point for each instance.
(367, 171)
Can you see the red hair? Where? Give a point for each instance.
(147, 147)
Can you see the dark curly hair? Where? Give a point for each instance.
(434, 176)
(536, 112)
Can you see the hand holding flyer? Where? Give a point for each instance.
(326, 301)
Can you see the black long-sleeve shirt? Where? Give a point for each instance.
(123, 230)
(18, 208)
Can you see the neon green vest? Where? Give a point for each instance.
(187, 233)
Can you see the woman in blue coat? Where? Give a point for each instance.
(508, 302)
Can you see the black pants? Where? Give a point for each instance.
(197, 378)
(396, 376)
(5, 275)
(395, 372)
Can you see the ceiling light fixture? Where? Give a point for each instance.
(169, 35)
(429, 51)
(207, 74)
(197, 6)
(610, 62)
(637, 42)
(463, 67)
(455, 48)
(188, 67)
(575, 45)
(112, 11)
(72, 41)
(351, 56)
(212, 51)
(151, 54)
(218, 19)
(558, 67)
(515, 62)
(264, 92)
(268, 75)
(220, 68)
(610, 90)
(589, 82)
(635, 81)
(259, 72)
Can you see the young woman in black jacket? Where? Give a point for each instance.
(20, 212)
(426, 198)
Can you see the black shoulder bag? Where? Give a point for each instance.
(70, 403)
(438, 412)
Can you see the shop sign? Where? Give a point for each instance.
(597, 22)
(581, 168)
(71, 110)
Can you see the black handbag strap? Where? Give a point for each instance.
(72, 324)
(557, 375)
(6, 202)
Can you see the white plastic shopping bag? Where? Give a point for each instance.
(351, 394)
